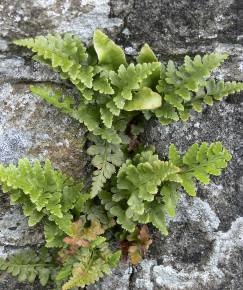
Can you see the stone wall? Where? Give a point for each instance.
(204, 249)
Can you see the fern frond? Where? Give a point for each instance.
(106, 158)
(99, 213)
(136, 244)
(170, 197)
(187, 87)
(199, 162)
(103, 86)
(144, 99)
(109, 54)
(86, 114)
(156, 215)
(66, 54)
(146, 55)
(147, 188)
(213, 91)
(27, 266)
(220, 89)
(53, 235)
(89, 115)
(41, 190)
(130, 79)
(108, 134)
(91, 267)
(106, 116)
(91, 257)
(138, 182)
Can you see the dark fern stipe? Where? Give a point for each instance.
(131, 186)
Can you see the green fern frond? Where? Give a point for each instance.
(220, 89)
(106, 116)
(213, 91)
(99, 213)
(42, 191)
(27, 266)
(138, 182)
(92, 260)
(106, 157)
(67, 54)
(54, 97)
(146, 55)
(186, 87)
(147, 188)
(199, 162)
(109, 54)
(88, 114)
(103, 86)
(144, 99)
(170, 197)
(129, 80)
(53, 235)
(84, 113)
(88, 271)
(156, 216)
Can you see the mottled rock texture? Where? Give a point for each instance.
(204, 249)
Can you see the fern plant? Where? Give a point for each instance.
(87, 257)
(131, 187)
(146, 187)
(44, 193)
(27, 266)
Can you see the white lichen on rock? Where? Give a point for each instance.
(212, 273)
(197, 211)
(95, 17)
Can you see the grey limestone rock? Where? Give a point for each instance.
(204, 249)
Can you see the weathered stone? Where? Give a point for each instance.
(28, 18)
(30, 127)
(119, 279)
(212, 273)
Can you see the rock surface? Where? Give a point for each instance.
(204, 249)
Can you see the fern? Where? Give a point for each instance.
(131, 186)
(129, 80)
(27, 266)
(65, 54)
(87, 114)
(137, 185)
(88, 257)
(199, 162)
(42, 191)
(136, 244)
(89, 265)
(214, 91)
(146, 187)
(106, 158)
(187, 87)
(109, 86)
(109, 54)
